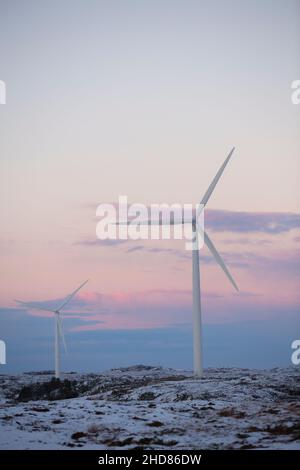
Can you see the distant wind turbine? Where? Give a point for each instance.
(197, 324)
(58, 332)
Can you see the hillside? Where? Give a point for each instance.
(152, 408)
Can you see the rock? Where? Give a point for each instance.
(54, 389)
(40, 409)
(155, 424)
(147, 396)
(78, 435)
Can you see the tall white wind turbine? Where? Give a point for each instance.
(197, 323)
(58, 331)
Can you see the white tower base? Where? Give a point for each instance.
(56, 347)
(197, 328)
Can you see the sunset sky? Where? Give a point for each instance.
(146, 99)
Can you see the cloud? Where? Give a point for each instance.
(277, 261)
(182, 254)
(246, 241)
(248, 222)
(287, 261)
(97, 242)
(140, 309)
(136, 248)
(245, 222)
(270, 223)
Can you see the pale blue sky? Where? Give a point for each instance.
(130, 91)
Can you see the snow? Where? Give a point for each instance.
(157, 408)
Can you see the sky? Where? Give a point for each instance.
(146, 99)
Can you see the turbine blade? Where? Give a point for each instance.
(150, 222)
(61, 333)
(218, 259)
(70, 297)
(34, 305)
(215, 180)
(154, 222)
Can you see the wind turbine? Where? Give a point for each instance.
(58, 331)
(197, 324)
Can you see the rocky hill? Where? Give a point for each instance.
(152, 408)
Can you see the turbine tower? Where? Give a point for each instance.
(58, 329)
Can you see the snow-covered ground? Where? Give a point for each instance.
(155, 408)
